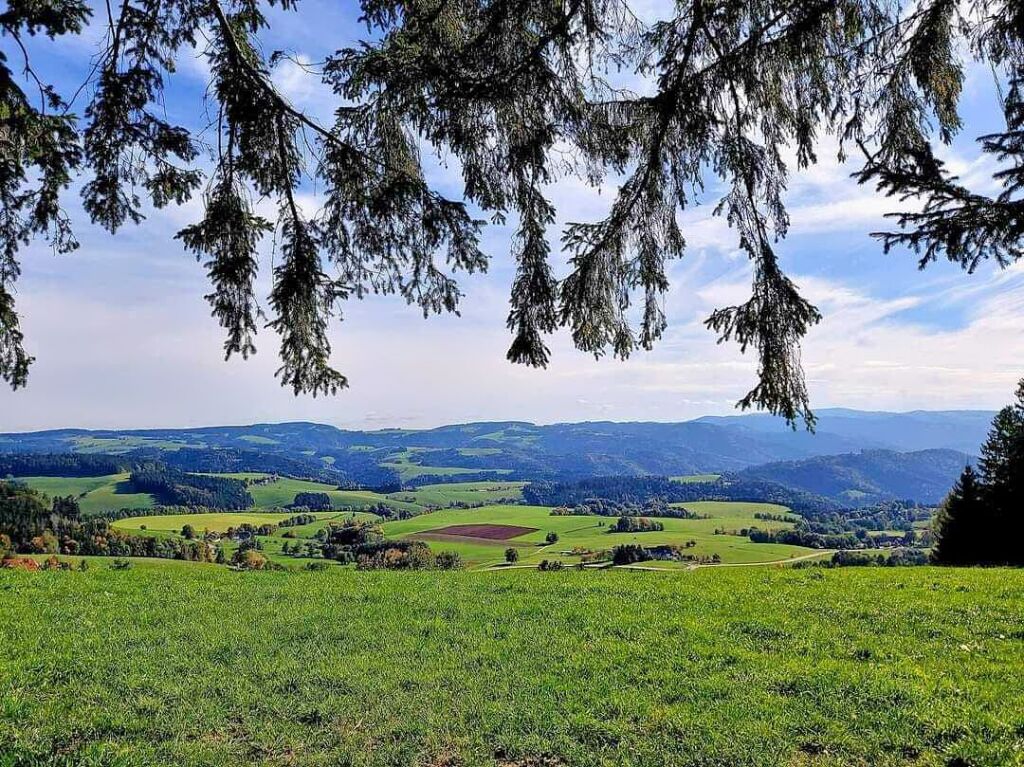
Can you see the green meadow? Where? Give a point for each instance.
(461, 492)
(692, 478)
(283, 491)
(168, 663)
(214, 522)
(590, 533)
(95, 494)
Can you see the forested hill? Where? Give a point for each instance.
(523, 450)
(869, 476)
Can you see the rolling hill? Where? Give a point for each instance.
(513, 450)
(869, 476)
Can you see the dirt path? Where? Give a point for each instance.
(694, 566)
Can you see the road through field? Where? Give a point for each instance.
(693, 566)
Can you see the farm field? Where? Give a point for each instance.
(95, 494)
(113, 492)
(283, 491)
(915, 667)
(215, 523)
(688, 478)
(591, 533)
(461, 492)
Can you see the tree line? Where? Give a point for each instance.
(639, 490)
(28, 525)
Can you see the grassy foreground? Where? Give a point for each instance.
(203, 666)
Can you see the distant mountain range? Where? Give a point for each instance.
(869, 476)
(522, 450)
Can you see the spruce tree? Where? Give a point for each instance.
(735, 95)
(1002, 468)
(961, 537)
(982, 520)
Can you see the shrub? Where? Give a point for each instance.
(248, 559)
(448, 560)
(511, 555)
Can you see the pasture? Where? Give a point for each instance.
(590, 533)
(191, 665)
(407, 469)
(461, 492)
(282, 492)
(214, 522)
(95, 494)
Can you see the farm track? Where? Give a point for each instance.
(694, 566)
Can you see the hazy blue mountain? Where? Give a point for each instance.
(869, 476)
(962, 430)
(557, 450)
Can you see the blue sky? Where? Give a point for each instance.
(123, 337)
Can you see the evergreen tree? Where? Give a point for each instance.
(1002, 468)
(982, 520)
(960, 534)
(518, 93)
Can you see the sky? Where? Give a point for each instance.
(123, 337)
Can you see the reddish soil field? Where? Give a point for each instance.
(487, 532)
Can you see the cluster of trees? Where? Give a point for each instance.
(636, 525)
(900, 557)
(888, 515)
(29, 525)
(303, 548)
(313, 501)
(802, 537)
(388, 512)
(406, 555)
(982, 520)
(155, 511)
(247, 530)
(641, 490)
(179, 488)
(603, 507)
(298, 520)
(632, 553)
(363, 543)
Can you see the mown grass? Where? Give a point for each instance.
(163, 665)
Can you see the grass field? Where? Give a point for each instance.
(464, 492)
(215, 523)
(592, 533)
(283, 492)
(164, 664)
(95, 494)
(690, 478)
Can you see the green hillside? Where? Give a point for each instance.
(590, 533)
(95, 494)
(196, 665)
